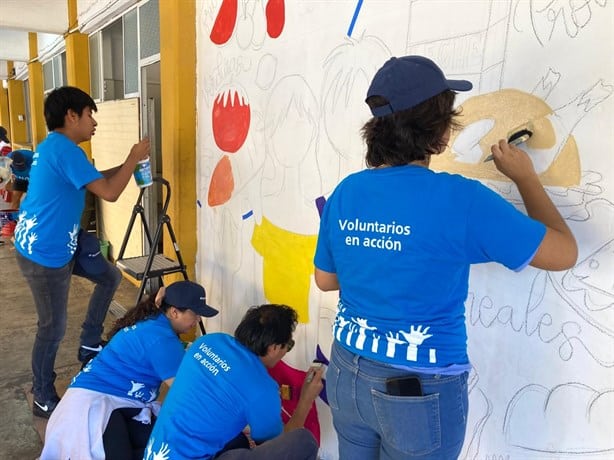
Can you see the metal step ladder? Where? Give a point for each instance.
(152, 265)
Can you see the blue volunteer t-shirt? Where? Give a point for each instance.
(401, 241)
(220, 387)
(50, 214)
(135, 362)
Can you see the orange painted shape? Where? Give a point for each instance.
(222, 183)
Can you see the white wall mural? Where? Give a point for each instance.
(281, 88)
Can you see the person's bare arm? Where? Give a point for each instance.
(111, 171)
(558, 250)
(110, 187)
(326, 281)
(309, 393)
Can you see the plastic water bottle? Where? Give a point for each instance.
(142, 173)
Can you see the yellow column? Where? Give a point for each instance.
(17, 110)
(4, 109)
(35, 85)
(77, 59)
(178, 51)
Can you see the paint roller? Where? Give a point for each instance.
(517, 136)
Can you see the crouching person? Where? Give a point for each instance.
(111, 404)
(223, 385)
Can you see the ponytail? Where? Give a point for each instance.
(145, 309)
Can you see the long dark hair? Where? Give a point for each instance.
(145, 309)
(268, 324)
(409, 135)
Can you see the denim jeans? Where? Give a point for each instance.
(49, 288)
(297, 444)
(371, 424)
(106, 285)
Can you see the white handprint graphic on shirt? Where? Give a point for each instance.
(393, 341)
(348, 338)
(23, 228)
(163, 453)
(375, 343)
(135, 387)
(32, 237)
(72, 244)
(415, 337)
(87, 367)
(340, 323)
(149, 449)
(362, 327)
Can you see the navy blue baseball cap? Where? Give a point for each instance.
(407, 81)
(189, 295)
(88, 257)
(19, 161)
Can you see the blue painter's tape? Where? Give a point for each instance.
(353, 23)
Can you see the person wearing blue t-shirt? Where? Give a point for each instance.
(20, 170)
(107, 410)
(48, 227)
(223, 385)
(397, 241)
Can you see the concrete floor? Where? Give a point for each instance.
(20, 431)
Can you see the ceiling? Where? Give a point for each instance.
(49, 19)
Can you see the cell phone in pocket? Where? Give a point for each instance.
(404, 386)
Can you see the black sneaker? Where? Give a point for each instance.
(87, 353)
(44, 409)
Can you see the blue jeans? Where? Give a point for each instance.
(106, 285)
(50, 287)
(297, 444)
(371, 424)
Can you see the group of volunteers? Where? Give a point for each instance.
(397, 390)
(111, 406)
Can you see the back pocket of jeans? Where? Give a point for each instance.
(409, 424)
(332, 382)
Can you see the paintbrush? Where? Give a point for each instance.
(517, 136)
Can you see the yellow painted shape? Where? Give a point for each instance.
(510, 108)
(287, 265)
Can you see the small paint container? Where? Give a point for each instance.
(142, 173)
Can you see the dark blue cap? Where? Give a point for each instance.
(407, 81)
(189, 295)
(88, 257)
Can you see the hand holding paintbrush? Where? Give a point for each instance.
(517, 136)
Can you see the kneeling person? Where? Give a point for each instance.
(111, 404)
(223, 385)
